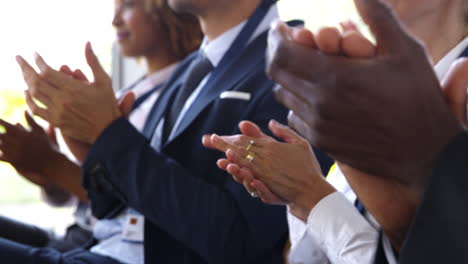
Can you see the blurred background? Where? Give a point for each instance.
(58, 30)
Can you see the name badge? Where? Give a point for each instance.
(133, 228)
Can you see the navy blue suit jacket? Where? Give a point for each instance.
(195, 212)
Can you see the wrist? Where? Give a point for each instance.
(309, 198)
(101, 127)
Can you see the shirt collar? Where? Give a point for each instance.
(154, 79)
(443, 65)
(216, 49)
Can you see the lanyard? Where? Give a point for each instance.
(239, 44)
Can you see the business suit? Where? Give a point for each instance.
(439, 231)
(195, 212)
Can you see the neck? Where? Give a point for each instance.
(217, 20)
(155, 63)
(450, 29)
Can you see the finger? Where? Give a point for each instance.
(56, 78)
(284, 132)
(328, 40)
(3, 157)
(308, 62)
(239, 158)
(354, 44)
(223, 163)
(35, 109)
(206, 141)
(265, 193)
(300, 126)
(234, 170)
(304, 37)
(250, 129)
(40, 89)
(248, 187)
(126, 103)
(65, 69)
(454, 86)
(79, 75)
(383, 23)
(292, 101)
(98, 72)
(348, 26)
(31, 122)
(219, 144)
(8, 127)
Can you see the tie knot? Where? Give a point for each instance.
(199, 68)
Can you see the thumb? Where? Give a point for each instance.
(98, 72)
(284, 132)
(384, 24)
(31, 122)
(250, 129)
(454, 87)
(126, 103)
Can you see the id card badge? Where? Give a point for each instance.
(133, 230)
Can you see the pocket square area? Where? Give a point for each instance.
(235, 95)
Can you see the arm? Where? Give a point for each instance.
(36, 157)
(220, 221)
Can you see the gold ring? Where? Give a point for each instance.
(249, 156)
(251, 143)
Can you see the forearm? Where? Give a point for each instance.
(66, 175)
(391, 203)
(218, 220)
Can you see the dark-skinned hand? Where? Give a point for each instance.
(384, 115)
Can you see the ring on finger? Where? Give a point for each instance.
(251, 143)
(249, 157)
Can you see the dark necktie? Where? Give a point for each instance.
(199, 68)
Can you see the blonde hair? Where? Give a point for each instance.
(183, 30)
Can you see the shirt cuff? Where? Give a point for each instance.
(341, 231)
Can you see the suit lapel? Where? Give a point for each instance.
(165, 99)
(233, 74)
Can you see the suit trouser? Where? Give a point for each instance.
(15, 253)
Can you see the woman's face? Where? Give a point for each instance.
(137, 32)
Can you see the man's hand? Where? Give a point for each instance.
(384, 115)
(81, 109)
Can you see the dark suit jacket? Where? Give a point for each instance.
(195, 212)
(439, 233)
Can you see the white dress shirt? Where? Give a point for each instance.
(214, 51)
(117, 238)
(334, 224)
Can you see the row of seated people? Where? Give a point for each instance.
(152, 164)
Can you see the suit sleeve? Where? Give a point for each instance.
(221, 222)
(438, 233)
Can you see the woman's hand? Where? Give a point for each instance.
(285, 173)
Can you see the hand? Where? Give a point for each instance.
(383, 115)
(289, 169)
(30, 152)
(454, 87)
(79, 108)
(244, 175)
